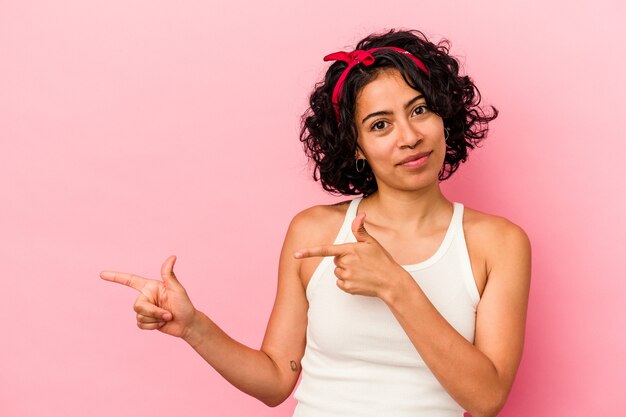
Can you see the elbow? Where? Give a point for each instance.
(272, 404)
(273, 401)
(490, 407)
(491, 412)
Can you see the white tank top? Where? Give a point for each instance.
(358, 360)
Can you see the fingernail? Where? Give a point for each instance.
(167, 316)
(297, 254)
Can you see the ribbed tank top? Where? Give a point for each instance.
(358, 361)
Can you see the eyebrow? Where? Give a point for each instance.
(387, 112)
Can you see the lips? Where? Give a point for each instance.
(414, 157)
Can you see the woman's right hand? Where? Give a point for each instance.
(162, 305)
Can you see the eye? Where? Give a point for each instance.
(379, 125)
(421, 109)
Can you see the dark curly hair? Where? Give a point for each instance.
(331, 144)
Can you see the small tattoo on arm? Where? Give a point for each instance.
(294, 366)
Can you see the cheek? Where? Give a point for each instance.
(440, 150)
(442, 146)
(373, 150)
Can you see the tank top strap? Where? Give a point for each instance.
(463, 258)
(345, 233)
(455, 234)
(456, 224)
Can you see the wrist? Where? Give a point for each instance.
(192, 334)
(399, 284)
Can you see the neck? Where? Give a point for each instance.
(406, 211)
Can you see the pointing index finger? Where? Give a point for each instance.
(326, 250)
(130, 280)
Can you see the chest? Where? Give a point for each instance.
(361, 328)
(414, 250)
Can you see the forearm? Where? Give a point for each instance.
(252, 371)
(466, 373)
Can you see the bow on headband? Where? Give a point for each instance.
(362, 57)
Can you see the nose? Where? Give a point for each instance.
(409, 135)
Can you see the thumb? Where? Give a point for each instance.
(358, 229)
(167, 271)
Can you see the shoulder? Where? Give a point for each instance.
(321, 213)
(493, 228)
(318, 224)
(315, 226)
(495, 237)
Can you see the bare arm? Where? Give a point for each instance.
(269, 373)
(478, 376)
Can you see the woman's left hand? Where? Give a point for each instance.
(361, 268)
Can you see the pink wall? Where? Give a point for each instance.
(132, 130)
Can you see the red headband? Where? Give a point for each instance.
(362, 57)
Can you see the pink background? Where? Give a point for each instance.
(133, 130)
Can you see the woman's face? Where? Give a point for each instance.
(399, 136)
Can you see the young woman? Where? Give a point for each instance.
(396, 303)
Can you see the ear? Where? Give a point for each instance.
(359, 153)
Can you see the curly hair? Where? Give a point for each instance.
(331, 144)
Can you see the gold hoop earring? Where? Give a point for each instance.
(356, 163)
(446, 134)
